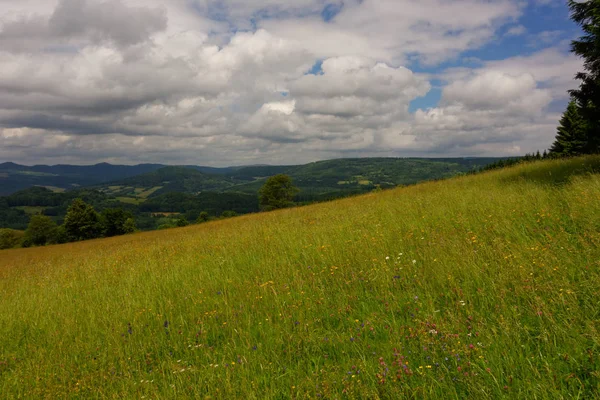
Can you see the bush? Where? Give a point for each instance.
(203, 217)
(181, 222)
(10, 238)
(129, 226)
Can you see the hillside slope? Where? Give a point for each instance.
(484, 286)
(15, 177)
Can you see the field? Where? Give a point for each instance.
(485, 286)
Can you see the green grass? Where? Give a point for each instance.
(147, 193)
(485, 286)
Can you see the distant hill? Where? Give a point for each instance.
(15, 177)
(317, 181)
(359, 174)
(167, 180)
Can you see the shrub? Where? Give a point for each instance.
(10, 238)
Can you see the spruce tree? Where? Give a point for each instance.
(587, 15)
(571, 136)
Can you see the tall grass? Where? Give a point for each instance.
(484, 286)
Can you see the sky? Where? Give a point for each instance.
(241, 82)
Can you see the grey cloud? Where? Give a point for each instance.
(117, 80)
(84, 21)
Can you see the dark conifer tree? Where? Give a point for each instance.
(587, 16)
(571, 136)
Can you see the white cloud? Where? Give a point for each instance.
(516, 30)
(225, 82)
(500, 108)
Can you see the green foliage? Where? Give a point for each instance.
(82, 222)
(177, 179)
(181, 221)
(129, 226)
(41, 230)
(202, 217)
(571, 138)
(114, 222)
(277, 192)
(12, 217)
(60, 236)
(587, 16)
(213, 203)
(10, 238)
(167, 225)
(229, 214)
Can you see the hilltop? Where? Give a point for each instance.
(483, 286)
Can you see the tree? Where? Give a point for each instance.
(229, 214)
(587, 15)
(129, 226)
(40, 231)
(571, 136)
(114, 220)
(203, 217)
(61, 236)
(181, 221)
(277, 192)
(10, 238)
(82, 222)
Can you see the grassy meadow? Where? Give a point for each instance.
(484, 286)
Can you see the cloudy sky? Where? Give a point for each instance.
(236, 82)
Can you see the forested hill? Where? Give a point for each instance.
(327, 175)
(15, 177)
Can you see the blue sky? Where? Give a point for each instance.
(540, 26)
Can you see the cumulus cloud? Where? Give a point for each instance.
(77, 22)
(227, 82)
(501, 107)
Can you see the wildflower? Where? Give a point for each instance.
(414, 261)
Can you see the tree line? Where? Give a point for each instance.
(82, 222)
